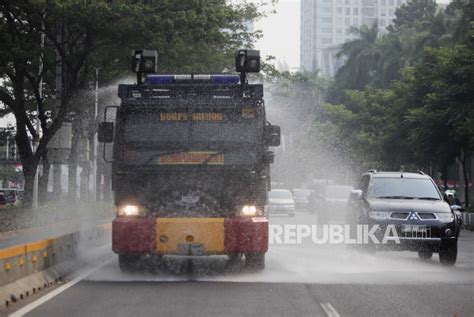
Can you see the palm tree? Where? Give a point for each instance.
(362, 55)
(391, 60)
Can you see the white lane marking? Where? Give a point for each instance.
(329, 310)
(59, 290)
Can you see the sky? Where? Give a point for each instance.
(281, 32)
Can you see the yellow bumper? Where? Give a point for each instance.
(190, 236)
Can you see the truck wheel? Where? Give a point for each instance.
(448, 253)
(234, 258)
(255, 261)
(425, 255)
(128, 262)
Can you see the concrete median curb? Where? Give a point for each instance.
(28, 268)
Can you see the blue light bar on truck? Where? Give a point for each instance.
(219, 79)
(225, 79)
(159, 79)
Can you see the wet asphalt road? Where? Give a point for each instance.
(257, 299)
(299, 280)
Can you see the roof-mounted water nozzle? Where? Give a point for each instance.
(144, 61)
(247, 61)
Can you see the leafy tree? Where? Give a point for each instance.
(363, 121)
(82, 35)
(460, 15)
(413, 105)
(446, 114)
(413, 14)
(362, 55)
(375, 59)
(8, 173)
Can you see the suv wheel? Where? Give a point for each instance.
(425, 255)
(448, 253)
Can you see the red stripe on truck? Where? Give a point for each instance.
(244, 235)
(134, 235)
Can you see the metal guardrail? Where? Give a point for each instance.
(468, 220)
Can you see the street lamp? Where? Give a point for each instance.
(94, 146)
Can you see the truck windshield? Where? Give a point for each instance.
(181, 127)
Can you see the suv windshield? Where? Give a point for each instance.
(402, 188)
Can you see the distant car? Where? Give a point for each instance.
(280, 201)
(302, 198)
(12, 196)
(334, 203)
(316, 198)
(412, 203)
(3, 201)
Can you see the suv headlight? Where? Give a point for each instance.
(380, 215)
(129, 211)
(445, 216)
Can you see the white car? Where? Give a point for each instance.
(302, 198)
(280, 201)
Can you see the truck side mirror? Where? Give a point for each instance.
(106, 132)
(272, 135)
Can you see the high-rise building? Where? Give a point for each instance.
(326, 24)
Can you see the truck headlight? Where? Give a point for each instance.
(249, 211)
(379, 215)
(445, 216)
(128, 211)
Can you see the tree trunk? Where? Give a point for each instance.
(90, 169)
(57, 188)
(98, 181)
(29, 175)
(27, 160)
(107, 183)
(84, 178)
(445, 176)
(72, 169)
(72, 182)
(464, 160)
(44, 179)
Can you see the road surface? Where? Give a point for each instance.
(299, 280)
